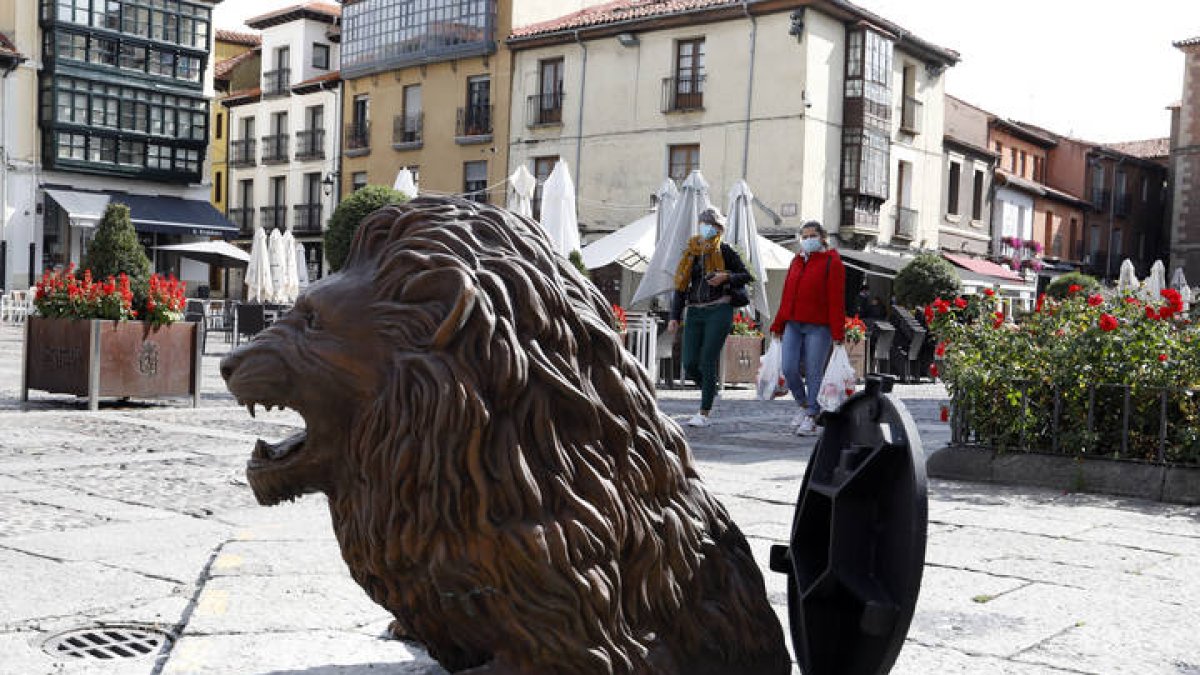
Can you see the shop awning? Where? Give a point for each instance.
(175, 215)
(874, 264)
(984, 267)
(85, 209)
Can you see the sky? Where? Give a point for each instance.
(1098, 70)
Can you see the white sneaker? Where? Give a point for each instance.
(698, 420)
(799, 418)
(807, 427)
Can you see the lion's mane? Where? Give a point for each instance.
(521, 496)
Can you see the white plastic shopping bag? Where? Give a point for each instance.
(770, 373)
(838, 383)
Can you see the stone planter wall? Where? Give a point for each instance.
(740, 359)
(120, 359)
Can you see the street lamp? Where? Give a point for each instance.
(328, 182)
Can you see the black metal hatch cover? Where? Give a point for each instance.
(858, 538)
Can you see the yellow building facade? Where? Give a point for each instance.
(432, 97)
(231, 49)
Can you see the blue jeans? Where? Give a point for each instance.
(805, 353)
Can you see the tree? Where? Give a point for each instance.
(925, 279)
(115, 248)
(1060, 287)
(349, 214)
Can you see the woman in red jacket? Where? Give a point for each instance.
(811, 315)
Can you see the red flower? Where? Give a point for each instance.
(1095, 300)
(944, 414)
(998, 319)
(1108, 322)
(928, 314)
(1162, 357)
(1041, 301)
(1151, 313)
(933, 370)
(989, 292)
(1073, 289)
(960, 303)
(1132, 301)
(940, 351)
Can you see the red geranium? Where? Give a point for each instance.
(944, 414)
(960, 303)
(1162, 357)
(1095, 300)
(933, 370)
(989, 292)
(1108, 322)
(1073, 289)
(998, 319)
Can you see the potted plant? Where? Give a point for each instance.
(856, 344)
(742, 352)
(114, 334)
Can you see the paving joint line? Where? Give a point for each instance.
(202, 580)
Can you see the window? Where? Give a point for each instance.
(910, 107)
(103, 52)
(682, 160)
(952, 188)
(358, 180)
(542, 166)
(132, 153)
(1037, 168)
(977, 197)
(1012, 160)
(246, 190)
(412, 116)
(158, 157)
(320, 56)
(1099, 199)
(375, 32)
(133, 57)
(72, 146)
(687, 93)
(1022, 172)
(475, 181)
(358, 131)
(218, 182)
(550, 92)
(73, 11)
(476, 118)
(220, 128)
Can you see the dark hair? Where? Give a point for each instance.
(820, 231)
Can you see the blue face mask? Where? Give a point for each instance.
(811, 245)
(708, 231)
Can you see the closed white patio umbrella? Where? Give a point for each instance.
(1156, 282)
(520, 194)
(680, 226)
(259, 285)
(289, 283)
(559, 219)
(301, 268)
(741, 232)
(405, 184)
(1127, 281)
(1180, 283)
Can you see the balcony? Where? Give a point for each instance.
(243, 153)
(358, 138)
(544, 109)
(310, 144)
(910, 115)
(274, 217)
(1100, 199)
(474, 124)
(906, 223)
(275, 149)
(277, 83)
(683, 95)
(308, 219)
(406, 131)
(243, 218)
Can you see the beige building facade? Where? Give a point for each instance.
(758, 92)
(1184, 235)
(19, 150)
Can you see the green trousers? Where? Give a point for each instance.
(704, 333)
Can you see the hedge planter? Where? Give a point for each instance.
(118, 359)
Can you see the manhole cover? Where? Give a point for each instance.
(107, 642)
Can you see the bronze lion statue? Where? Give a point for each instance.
(499, 475)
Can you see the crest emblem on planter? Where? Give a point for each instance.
(147, 362)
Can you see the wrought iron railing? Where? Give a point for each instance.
(243, 152)
(275, 149)
(910, 115)
(308, 218)
(274, 217)
(474, 120)
(407, 128)
(310, 144)
(906, 222)
(277, 82)
(544, 109)
(1129, 421)
(682, 94)
(243, 218)
(358, 136)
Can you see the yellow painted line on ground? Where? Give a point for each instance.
(228, 561)
(213, 603)
(189, 656)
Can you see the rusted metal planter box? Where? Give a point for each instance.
(120, 359)
(740, 359)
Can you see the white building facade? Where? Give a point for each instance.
(19, 261)
(284, 136)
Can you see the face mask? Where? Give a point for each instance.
(708, 231)
(811, 245)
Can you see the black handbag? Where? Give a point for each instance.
(738, 297)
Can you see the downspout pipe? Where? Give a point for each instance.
(579, 122)
(749, 87)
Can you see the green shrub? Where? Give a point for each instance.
(115, 248)
(349, 214)
(925, 279)
(576, 258)
(1058, 288)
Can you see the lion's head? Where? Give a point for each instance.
(499, 474)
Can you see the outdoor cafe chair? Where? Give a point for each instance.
(201, 332)
(249, 320)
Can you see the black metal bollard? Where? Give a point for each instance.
(857, 549)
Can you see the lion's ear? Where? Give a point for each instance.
(435, 286)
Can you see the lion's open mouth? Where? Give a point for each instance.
(276, 471)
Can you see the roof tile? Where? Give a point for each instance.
(618, 10)
(238, 37)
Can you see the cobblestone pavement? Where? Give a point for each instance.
(139, 515)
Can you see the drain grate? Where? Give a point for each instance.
(107, 642)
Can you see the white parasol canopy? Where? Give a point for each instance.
(259, 286)
(741, 232)
(288, 286)
(1127, 281)
(630, 247)
(301, 268)
(681, 225)
(520, 195)
(405, 183)
(1179, 282)
(559, 219)
(1156, 282)
(666, 197)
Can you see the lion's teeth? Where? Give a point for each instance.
(250, 407)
